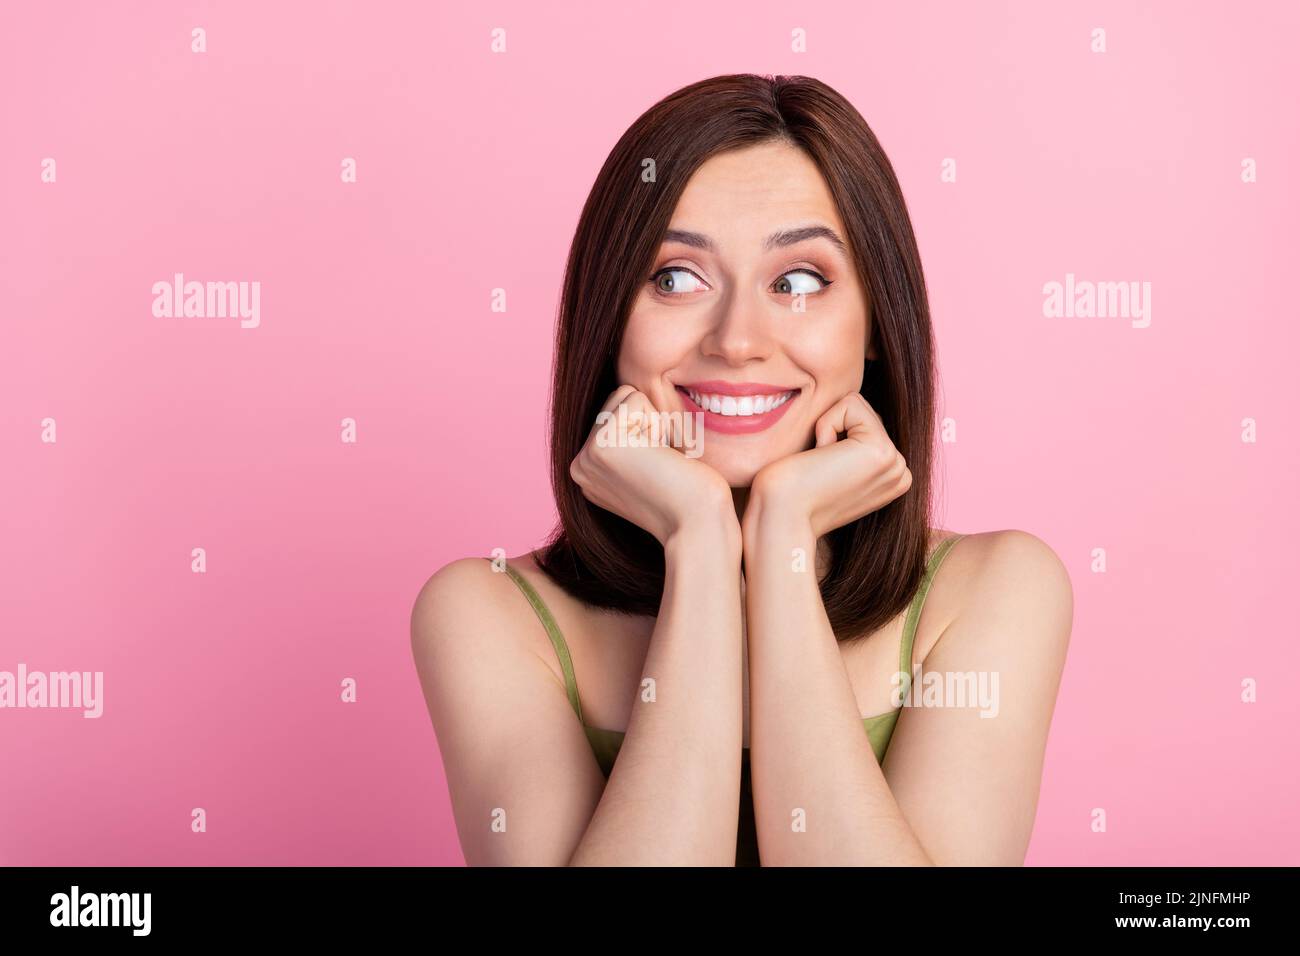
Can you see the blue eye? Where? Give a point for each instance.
(666, 284)
(803, 286)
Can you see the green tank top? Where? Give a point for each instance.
(606, 743)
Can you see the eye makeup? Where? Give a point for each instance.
(670, 269)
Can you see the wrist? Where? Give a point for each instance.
(768, 519)
(712, 530)
(777, 538)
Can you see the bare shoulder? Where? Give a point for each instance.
(505, 732)
(1016, 558)
(1008, 582)
(1019, 564)
(969, 785)
(466, 598)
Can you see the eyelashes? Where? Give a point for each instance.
(667, 273)
(674, 292)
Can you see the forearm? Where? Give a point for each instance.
(820, 797)
(673, 795)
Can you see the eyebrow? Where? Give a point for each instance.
(777, 240)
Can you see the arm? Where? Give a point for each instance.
(969, 783)
(525, 786)
(673, 796)
(520, 773)
(960, 789)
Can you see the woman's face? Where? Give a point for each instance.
(755, 315)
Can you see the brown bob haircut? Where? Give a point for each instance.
(877, 561)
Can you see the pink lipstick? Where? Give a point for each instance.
(737, 408)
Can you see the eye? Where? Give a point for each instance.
(676, 281)
(806, 282)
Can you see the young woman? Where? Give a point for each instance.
(709, 661)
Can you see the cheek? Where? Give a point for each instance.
(650, 348)
(833, 354)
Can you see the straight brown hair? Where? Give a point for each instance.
(877, 561)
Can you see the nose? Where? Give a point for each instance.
(741, 334)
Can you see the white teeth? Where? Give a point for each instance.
(744, 405)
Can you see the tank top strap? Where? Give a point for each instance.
(553, 632)
(914, 610)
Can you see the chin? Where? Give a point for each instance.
(739, 458)
(738, 470)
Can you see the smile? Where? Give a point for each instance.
(737, 407)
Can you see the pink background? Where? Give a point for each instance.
(222, 689)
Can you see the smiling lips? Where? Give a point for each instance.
(737, 408)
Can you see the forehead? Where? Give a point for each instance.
(740, 196)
